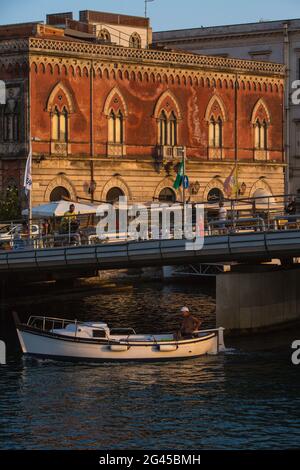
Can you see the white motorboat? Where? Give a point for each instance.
(54, 338)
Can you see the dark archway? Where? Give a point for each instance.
(167, 195)
(215, 195)
(114, 194)
(59, 193)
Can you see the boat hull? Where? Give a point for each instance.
(43, 345)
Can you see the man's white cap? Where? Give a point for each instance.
(184, 309)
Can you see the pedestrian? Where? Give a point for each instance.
(222, 216)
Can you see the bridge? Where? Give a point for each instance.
(252, 296)
(86, 260)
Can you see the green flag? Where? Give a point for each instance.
(179, 177)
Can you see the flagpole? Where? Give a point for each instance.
(28, 172)
(183, 185)
(30, 211)
(30, 150)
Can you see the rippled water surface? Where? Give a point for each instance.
(246, 398)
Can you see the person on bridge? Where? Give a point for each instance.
(222, 217)
(291, 207)
(189, 324)
(69, 222)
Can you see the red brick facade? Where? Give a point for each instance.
(103, 116)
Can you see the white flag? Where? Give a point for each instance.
(27, 176)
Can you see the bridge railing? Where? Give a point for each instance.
(263, 213)
(237, 225)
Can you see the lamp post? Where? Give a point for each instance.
(146, 7)
(146, 16)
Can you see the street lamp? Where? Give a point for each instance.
(146, 7)
(146, 16)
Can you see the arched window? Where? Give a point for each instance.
(173, 129)
(116, 127)
(215, 195)
(167, 129)
(104, 35)
(168, 115)
(261, 135)
(114, 195)
(60, 125)
(261, 121)
(59, 193)
(135, 41)
(60, 106)
(10, 122)
(216, 132)
(216, 117)
(167, 195)
(115, 109)
(163, 128)
(7, 126)
(16, 124)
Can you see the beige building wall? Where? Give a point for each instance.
(141, 183)
(121, 34)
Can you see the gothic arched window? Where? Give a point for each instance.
(135, 41)
(60, 125)
(60, 106)
(115, 127)
(167, 129)
(261, 121)
(173, 129)
(216, 132)
(10, 122)
(163, 129)
(261, 135)
(115, 110)
(216, 117)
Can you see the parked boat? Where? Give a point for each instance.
(54, 338)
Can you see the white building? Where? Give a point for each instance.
(276, 41)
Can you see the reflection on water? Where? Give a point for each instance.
(247, 398)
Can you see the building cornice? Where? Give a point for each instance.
(117, 53)
(90, 51)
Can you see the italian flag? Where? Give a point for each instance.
(179, 177)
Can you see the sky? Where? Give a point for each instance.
(164, 14)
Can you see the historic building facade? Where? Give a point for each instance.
(105, 120)
(274, 41)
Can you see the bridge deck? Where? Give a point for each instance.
(240, 247)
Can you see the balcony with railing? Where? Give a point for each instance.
(170, 154)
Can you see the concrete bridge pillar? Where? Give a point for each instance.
(258, 299)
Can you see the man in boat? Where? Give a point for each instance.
(189, 324)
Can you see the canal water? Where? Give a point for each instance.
(247, 398)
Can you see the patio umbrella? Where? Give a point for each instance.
(58, 209)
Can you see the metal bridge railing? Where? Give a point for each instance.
(260, 214)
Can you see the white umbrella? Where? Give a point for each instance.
(58, 209)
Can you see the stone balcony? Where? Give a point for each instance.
(170, 154)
